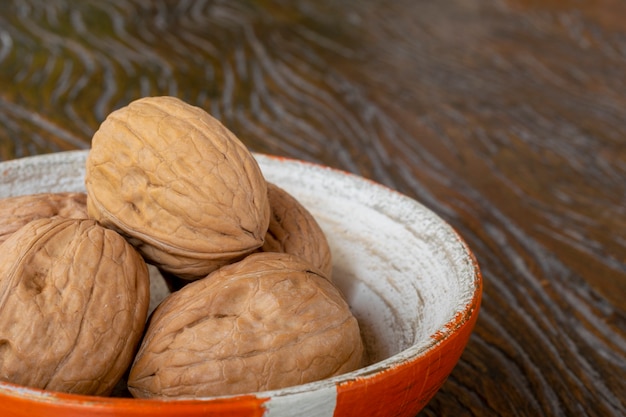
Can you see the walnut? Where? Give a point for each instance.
(179, 185)
(73, 304)
(269, 321)
(294, 230)
(15, 212)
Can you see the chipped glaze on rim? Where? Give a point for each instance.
(413, 353)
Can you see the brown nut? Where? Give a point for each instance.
(266, 322)
(294, 230)
(184, 190)
(15, 212)
(73, 304)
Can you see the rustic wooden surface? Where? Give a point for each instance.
(506, 117)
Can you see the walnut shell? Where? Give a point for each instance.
(73, 304)
(184, 190)
(15, 212)
(266, 322)
(294, 230)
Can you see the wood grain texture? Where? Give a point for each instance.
(506, 117)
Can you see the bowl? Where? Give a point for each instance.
(410, 279)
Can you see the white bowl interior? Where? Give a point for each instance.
(404, 271)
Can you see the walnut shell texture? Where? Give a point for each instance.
(16, 211)
(294, 230)
(183, 188)
(73, 303)
(266, 322)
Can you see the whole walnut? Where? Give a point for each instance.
(294, 230)
(179, 185)
(15, 212)
(266, 322)
(73, 304)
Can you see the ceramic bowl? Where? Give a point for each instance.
(411, 281)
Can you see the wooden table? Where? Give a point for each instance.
(505, 117)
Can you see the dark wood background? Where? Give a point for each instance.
(505, 117)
